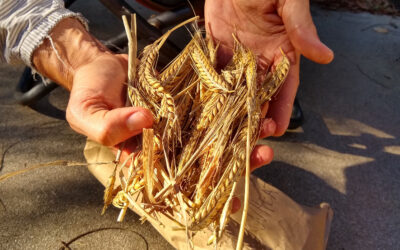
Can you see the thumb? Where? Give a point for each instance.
(109, 127)
(303, 33)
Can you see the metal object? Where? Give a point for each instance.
(169, 18)
(145, 31)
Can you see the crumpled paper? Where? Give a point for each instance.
(274, 221)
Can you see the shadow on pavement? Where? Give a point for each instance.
(369, 199)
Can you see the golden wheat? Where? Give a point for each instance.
(207, 123)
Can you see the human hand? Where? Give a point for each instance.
(96, 107)
(96, 79)
(265, 26)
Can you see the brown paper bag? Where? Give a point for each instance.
(274, 221)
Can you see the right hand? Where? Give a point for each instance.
(265, 26)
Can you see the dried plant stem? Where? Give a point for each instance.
(132, 46)
(246, 190)
(131, 33)
(50, 164)
(148, 163)
(226, 211)
(251, 106)
(206, 125)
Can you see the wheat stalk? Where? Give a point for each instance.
(206, 124)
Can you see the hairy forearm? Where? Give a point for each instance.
(68, 47)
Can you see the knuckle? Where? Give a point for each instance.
(71, 119)
(103, 134)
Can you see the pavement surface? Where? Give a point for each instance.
(347, 153)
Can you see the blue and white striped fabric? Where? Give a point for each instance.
(25, 23)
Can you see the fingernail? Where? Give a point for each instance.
(137, 121)
(271, 126)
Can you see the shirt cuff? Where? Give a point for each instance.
(36, 36)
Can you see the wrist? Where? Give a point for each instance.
(67, 47)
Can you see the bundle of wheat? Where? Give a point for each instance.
(206, 124)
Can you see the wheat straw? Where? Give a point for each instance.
(206, 124)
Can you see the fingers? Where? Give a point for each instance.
(261, 155)
(267, 128)
(128, 148)
(280, 108)
(108, 127)
(303, 33)
(235, 205)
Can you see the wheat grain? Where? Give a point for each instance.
(278, 77)
(206, 124)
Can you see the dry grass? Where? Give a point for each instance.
(206, 124)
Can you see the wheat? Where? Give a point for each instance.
(207, 73)
(206, 125)
(272, 83)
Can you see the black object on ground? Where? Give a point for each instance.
(297, 117)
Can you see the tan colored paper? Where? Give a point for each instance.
(274, 220)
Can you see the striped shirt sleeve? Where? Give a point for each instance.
(24, 24)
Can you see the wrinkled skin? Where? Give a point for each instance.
(265, 26)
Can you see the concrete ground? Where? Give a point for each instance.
(347, 153)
